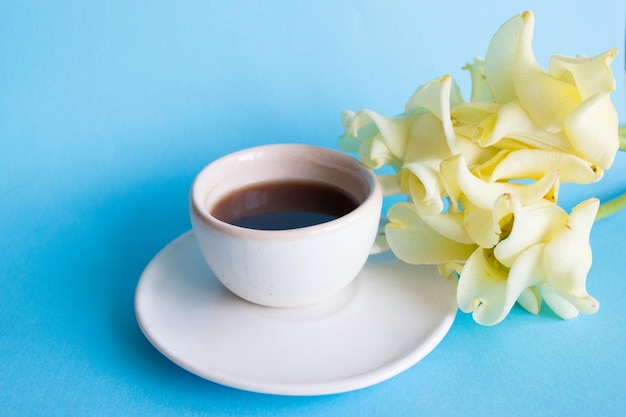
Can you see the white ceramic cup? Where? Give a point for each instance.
(294, 267)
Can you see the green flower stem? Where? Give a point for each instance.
(618, 203)
(611, 207)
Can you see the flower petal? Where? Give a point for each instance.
(501, 56)
(450, 225)
(532, 225)
(480, 88)
(457, 178)
(530, 300)
(379, 140)
(427, 141)
(593, 130)
(567, 259)
(483, 226)
(536, 163)
(437, 97)
(348, 141)
(490, 290)
(514, 123)
(481, 288)
(413, 241)
(390, 184)
(421, 182)
(426, 148)
(475, 120)
(561, 307)
(547, 100)
(523, 278)
(591, 75)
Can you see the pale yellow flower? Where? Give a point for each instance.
(566, 108)
(482, 177)
(545, 255)
(377, 139)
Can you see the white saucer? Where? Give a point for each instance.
(387, 320)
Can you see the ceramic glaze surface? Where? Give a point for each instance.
(295, 267)
(389, 318)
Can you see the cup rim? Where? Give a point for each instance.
(374, 196)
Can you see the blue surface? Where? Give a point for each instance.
(107, 111)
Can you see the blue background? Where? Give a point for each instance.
(108, 110)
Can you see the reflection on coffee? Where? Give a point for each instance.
(283, 205)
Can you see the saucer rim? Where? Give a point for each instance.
(370, 376)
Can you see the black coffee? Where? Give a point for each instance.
(284, 205)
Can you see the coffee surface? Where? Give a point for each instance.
(283, 205)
